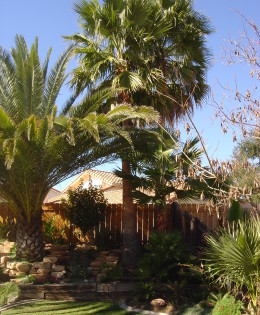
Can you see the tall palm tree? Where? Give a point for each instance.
(142, 52)
(40, 148)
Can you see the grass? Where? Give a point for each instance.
(78, 308)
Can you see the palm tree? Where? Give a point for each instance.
(142, 52)
(232, 258)
(40, 148)
(160, 172)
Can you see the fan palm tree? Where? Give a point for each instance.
(40, 148)
(142, 52)
(233, 258)
(160, 172)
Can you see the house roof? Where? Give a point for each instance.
(107, 177)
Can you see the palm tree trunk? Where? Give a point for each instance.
(29, 239)
(131, 248)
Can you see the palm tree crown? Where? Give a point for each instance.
(39, 147)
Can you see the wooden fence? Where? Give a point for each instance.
(191, 219)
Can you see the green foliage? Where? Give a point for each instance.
(111, 273)
(8, 291)
(235, 212)
(86, 207)
(8, 230)
(79, 263)
(164, 257)
(13, 250)
(227, 306)
(39, 147)
(51, 234)
(232, 258)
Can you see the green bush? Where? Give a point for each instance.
(165, 257)
(8, 291)
(51, 234)
(235, 212)
(8, 230)
(232, 258)
(85, 207)
(111, 273)
(227, 306)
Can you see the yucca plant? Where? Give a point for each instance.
(233, 258)
(40, 148)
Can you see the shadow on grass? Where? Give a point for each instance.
(198, 309)
(77, 308)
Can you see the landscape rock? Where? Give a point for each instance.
(158, 303)
(5, 259)
(58, 268)
(50, 259)
(59, 247)
(11, 265)
(43, 271)
(23, 267)
(6, 246)
(12, 273)
(96, 263)
(42, 265)
(112, 259)
(57, 275)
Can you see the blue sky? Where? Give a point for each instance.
(50, 19)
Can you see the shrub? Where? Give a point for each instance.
(227, 306)
(8, 291)
(8, 230)
(235, 212)
(51, 234)
(232, 258)
(85, 207)
(111, 273)
(164, 257)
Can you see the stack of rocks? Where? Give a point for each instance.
(53, 264)
(104, 258)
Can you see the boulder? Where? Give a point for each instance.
(11, 265)
(42, 265)
(43, 271)
(12, 273)
(59, 247)
(5, 259)
(6, 246)
(112, 259)
(57, 275)
(158, 303)
(23, 267)
(58, 268)
(50, 259)
(96, 263)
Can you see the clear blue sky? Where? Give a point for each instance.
(50, 19)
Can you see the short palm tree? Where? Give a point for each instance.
(142, 52)
(39, 148)
(233, 258)
(165, 169)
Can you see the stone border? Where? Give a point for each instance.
(128, 308)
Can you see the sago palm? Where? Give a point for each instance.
(39, 148)
(142, 52)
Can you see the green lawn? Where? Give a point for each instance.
(78, 308)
